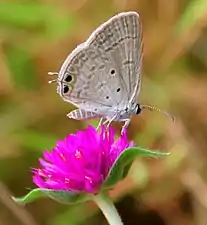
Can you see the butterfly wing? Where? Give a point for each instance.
(122, 38)
(90, 86)
(102, 74)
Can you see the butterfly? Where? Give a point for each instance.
(102, 76)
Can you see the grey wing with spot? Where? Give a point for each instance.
(122, 41)
(91, 85)
(102, 73)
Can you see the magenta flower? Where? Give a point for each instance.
(81, 162)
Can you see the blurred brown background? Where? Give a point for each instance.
(35, 37)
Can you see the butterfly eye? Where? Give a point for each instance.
(65, 89)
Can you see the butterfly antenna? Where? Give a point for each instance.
(153, 108)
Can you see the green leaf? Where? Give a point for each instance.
(21, 14)
(22, 67)
(31, 196)
(195, 10)
(122, 165)
(64, 197)
(44, 18)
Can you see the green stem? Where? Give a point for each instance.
(108, 209)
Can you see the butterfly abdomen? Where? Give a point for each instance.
(80, 114)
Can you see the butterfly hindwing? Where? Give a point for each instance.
(92, 86)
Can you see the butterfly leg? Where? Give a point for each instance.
(109, 120)
(100, 122)
(106, 121)
(126, 124)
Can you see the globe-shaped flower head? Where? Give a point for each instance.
(81, 162)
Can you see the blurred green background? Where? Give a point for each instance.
(35, 37)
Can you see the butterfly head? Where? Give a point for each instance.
(138, 109)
